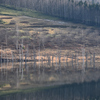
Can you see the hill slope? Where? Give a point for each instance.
(50, 33)
(12, 11)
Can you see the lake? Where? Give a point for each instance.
(84, 91)
(27, 82)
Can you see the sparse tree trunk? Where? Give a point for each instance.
(20, 58)
(90, 60)
(72, 60)
(25, 59)
(77, 60)
(12, 60)
(39, 57)
(86, 56)
(52, 61)
(83, 55)
(17, 35)
(56, 60)
(94, 60)
(1, 58)
(34, 54)
(64, 61)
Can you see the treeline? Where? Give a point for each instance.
(67, 9)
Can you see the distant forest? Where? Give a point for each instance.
(77, 11)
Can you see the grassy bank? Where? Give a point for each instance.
(11, 11)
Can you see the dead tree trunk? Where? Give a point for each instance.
(72, 60)
(12, 60)
(49, 60)
(67, 61)
(77, 60)
(94, 60)
(86, 56)
(83, 55)
(26, 59)
(52, 61)
(1, 58)
(34, 58)
(90, 60)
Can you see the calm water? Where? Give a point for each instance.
(16, 76)
(85, 91)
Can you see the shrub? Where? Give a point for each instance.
(12, 22)
(1, 21)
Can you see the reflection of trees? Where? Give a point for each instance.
(83, 91)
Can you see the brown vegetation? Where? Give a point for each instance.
(43, 32)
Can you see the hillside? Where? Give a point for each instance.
(12, 11)
(80, 11)
(37, 30)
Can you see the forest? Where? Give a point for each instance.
(76, 11)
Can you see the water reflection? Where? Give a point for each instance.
(85, 91)
(23, 74)
(31, 74)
